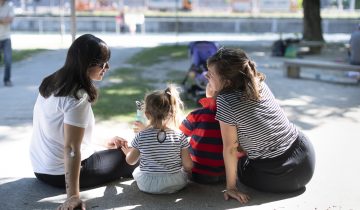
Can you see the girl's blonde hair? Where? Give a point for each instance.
(164, 108)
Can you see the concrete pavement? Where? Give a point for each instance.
(328, 113)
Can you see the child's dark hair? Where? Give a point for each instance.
(163, 107)
(238, 72)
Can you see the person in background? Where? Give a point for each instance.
(280, 158)
(354, 47)
(6, 17)
(162, 149)
(61, 149)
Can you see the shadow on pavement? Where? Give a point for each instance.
(29, 193)
(194, 196)
(313, 99)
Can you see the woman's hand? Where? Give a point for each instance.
(116, 143)
(71, 203)
(234, 193)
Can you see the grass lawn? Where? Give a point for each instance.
(117, 102)
(18, 55)
(155, 55)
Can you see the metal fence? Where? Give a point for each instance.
(55, 6)
(179, 24)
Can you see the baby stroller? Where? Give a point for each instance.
(195, 81)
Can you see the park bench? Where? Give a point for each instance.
(292, 66)
(310, 47)
(296, 48)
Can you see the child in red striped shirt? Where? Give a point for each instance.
(206, 147)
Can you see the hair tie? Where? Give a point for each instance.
(251, 63)
(167, 91)
(220, 52)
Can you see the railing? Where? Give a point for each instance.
(108, 24)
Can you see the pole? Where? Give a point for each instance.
(176, 22)
(352, 5)
(73, 20)
(62, 24)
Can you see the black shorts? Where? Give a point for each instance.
(100, 168)
(288, 172)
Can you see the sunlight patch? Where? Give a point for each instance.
(123, 91)
(55, 199)
(178, 200)
(115, 80)
(129, 182)
(128, 207)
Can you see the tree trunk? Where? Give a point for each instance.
(312, 30)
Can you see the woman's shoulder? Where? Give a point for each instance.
(229, 96)
(81, 100)
(82, 94)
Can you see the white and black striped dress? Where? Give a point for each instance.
(263, 129)
(158, 157)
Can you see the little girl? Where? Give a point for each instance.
(162, 150)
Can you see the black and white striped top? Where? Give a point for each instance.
(263, 129)
(158, 157)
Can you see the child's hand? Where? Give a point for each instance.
(188, 171)
(116, 143)
(126, 150)
(138, 126)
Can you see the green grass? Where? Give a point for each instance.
(18, 55)
(158, 54)
(117, 102)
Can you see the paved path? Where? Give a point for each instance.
(328, 113)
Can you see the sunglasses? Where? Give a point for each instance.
(102, 65)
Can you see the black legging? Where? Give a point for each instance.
(287, 173)
(100, 168)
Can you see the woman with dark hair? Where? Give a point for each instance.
(280, 158)
(63, 121)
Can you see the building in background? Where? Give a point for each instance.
(254, 6)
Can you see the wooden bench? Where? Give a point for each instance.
(309, 47)
(292, 66)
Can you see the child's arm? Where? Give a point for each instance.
(132, 155)
(186, 160)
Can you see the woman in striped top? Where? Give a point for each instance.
(279, 157)
(162, 149)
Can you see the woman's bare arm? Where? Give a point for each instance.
(230, 145)
(73, 136)
(186, 160)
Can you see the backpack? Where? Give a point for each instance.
(278, 48)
